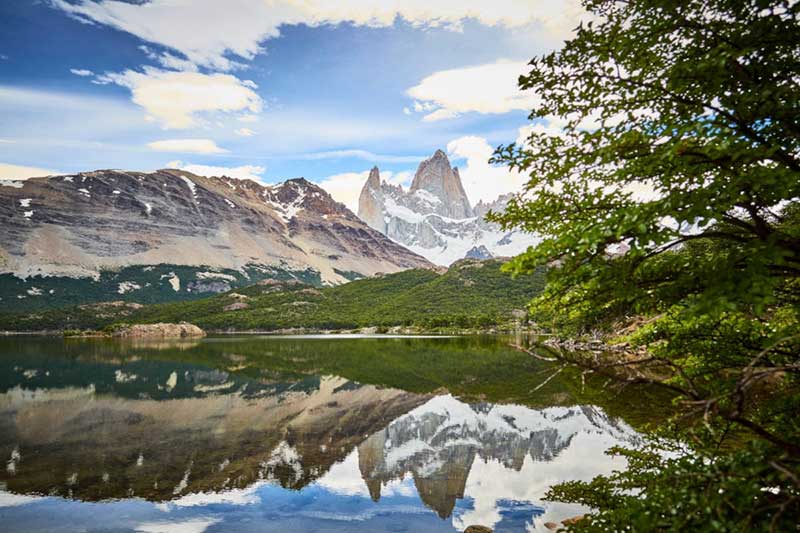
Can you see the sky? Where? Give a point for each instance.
(271, 89)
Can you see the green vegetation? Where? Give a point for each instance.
(471, 294)
(673, 216)
(139, 284)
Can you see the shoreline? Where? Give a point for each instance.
(372, 331)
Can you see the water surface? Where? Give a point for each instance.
(295, 434)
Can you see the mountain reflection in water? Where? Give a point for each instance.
(146, 443)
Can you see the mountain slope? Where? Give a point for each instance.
(434, 217)
(470, 294)
(82, 230)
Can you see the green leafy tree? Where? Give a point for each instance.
(664, 168)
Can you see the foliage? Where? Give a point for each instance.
(470, 295)
(140, 284)
(671, 193)
(689, 492)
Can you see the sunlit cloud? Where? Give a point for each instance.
(488, 89)
(483, 181)
(346, 187)
(19, 172)
(176, 99)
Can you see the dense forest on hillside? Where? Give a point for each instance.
(471, 294)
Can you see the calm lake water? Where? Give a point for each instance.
(295, 434)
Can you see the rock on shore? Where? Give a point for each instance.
(160, 331)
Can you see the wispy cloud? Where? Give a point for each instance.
(81, 72)
(192, 146)
(241, 26)
(362, 154)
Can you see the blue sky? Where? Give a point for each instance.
(270, 89)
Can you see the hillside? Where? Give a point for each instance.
(470, 294)
(172, 235)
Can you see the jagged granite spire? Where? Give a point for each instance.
(370, 202)
(434, 217)
(436, 176)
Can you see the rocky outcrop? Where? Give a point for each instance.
(160, 330)
(236, 306)
(370, 202)
(437, 177)
(478, 252)
(84, 225)
(434, 217)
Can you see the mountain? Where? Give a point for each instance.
(470, 293)
(441, 441)
(170, 234)
(434, 217)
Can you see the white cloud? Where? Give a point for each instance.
(17, 172)
(245, 132)
(244, 172)
(398, 178)
(209, 32)
(346, 187)
(488, 88)
(482, 181)
(195, 525)
(248, 118)
(362, 154)
(176, 98)
(194, 146)
(81, 72)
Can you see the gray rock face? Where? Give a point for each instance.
(478, 252)
(434, 217)
(436, 176)
(80, 225)
(370, 202)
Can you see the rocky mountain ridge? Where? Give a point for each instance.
(439, 442)
(85, 225)
(434, 217)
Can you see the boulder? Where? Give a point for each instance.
(159, 331)
(478, 529)
(572, 521)
(236, 306)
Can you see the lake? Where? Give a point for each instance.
(258, 433)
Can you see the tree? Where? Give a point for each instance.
(664, 168)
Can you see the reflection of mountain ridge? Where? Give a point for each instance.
(79, 443)
(438, 442)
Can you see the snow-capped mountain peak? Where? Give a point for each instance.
(434, 217)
